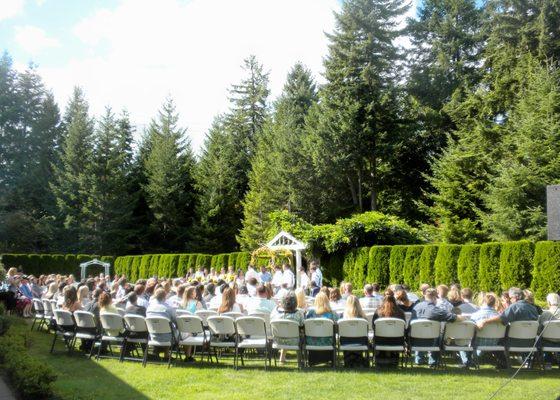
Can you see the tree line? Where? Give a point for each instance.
(456, 133)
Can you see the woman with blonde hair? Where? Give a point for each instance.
(83, 296)
(353, 308)
(322, 308)
(228, 302)
(51, 292)
(301, 301)
(190, 301)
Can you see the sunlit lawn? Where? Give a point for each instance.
(80, 378)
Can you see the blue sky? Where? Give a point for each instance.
(134, 53)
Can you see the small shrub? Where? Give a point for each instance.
(348, 265)
(154, 265)
(468, 265)
(173, 265)
(426, 264)
(546, 269)
(145, 266)
(516, 263)
(232, 259)
(183, 265)
(243, 259)
(378, 265)
(445, 265)
(360, 266)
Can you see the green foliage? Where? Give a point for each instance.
(183, 265)
(426, 264)
(468, 265)
(411, 267)
(144, 271)
(348, 265)
(154, 265)
(546, 269)
(379, 265)
(220, 261)
(396, 264)
(173, 266)
(242, 261)
(203, 260)
(192, 261)
(31, 378)
(135, 269)
(331, 265)
(38, 264)
(516, 259)
(445, 264)
(2, 271)
(232, 259)
(489, 267)
(360, 266)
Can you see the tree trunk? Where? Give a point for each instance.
(373, 184)
(352, 191)
(360, 197)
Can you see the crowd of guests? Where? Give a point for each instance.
(274, 292)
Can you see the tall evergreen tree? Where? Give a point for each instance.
(72, 186)
(169, 184)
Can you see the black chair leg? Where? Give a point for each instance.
(53, 342)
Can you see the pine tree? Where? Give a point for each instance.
(72, 187)
(169, 168)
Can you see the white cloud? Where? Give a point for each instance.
(33, 39)
(10, 8)
(141, 51)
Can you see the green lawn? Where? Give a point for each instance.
(80, 378)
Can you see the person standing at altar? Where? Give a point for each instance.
(304, 280)
(288, 277)
(316, 274)
(277, 279)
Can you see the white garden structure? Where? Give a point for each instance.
(285, 241)
(95, 261)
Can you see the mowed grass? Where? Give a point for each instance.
(81, 378)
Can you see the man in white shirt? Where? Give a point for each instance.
(288, 277)
(243, 297)
(252, 286)
(371, 300)
(304, 280)
(176, 300)
(277, 278)
(282, 292)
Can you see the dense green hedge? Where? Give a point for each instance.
(426, 264)
(467, 265)
(516, 263)
(38, 264)
(546, 268)
(411, 267)
(445, 265)
(396, 263)
(489, 267)
(378, 265)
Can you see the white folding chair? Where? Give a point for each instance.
(160, 326)
(121, 311)
(232, 314)
(369, 319)
(459, 336)
(522, 337)
(54, 305)
(112, 326)
(223, 335)
(180, 311)
(320, 328)
(191, 332)
(266, 318)
(39, 314)
(47, 311)
(389, 335)
(424, 336)
(353, 336)
(64, 328)
(284, 330)
(86, 328)
(136, 332)
(491, 338)
(253, 335)
(407, 317)
(550, 339)
(204, 314)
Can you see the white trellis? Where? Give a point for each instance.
(95, 261)
(285, 241)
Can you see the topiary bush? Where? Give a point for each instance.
(232, 260)
(135, 269)
(154, 265)
(360, 266)
(546, 268)
(445, 264)
(145, 266)
(516, 263)
(426, 264)
(183, 265)
(489, 267)
(331, 266)
(243, 259)
(348, 265)
(468, 265)
(378, 265)
(396, 264)
(411, 267)
(203, 260)
(173, 266)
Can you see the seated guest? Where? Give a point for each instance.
(133, 307)
(428, 309)
(71, 302)
(454, 297)
(370, 300)
(51, 291)
(190, 302)
(242, 297)
(411, 295)
(209, 291)
(487, 310)
(353, 309)
(288, 310)
(228, 302)
(217, 299)
(261, 303)
(442, 301)
(301, 300)
(252, 286)
(335, 298)
(282, 292)
(403, 301)
(83, 296)
(322, 308)
(505, 302)
(159, 308)
(36, 289)
(93, 306)
(176, 299)
(467, 307)
(313, 289)
(552, 314)
(530, 298)
(389, 309)
(106, 307)
(346, 289)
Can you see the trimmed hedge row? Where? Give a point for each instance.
(37, 264)
(172, 265)
(489, 266)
